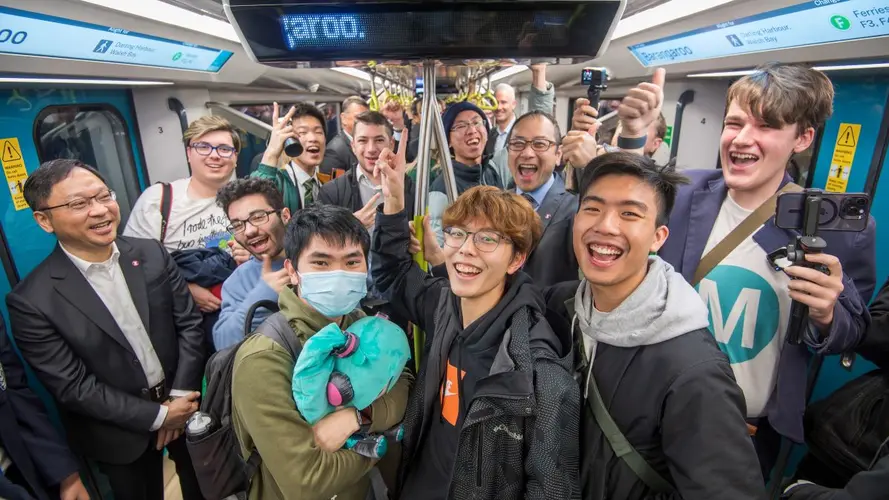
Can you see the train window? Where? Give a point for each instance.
(96, 135)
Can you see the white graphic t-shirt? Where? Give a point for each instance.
(749, 309)
(193, 223)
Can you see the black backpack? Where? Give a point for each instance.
(220, 469)
(845, 430)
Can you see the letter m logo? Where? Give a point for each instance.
(746, 305)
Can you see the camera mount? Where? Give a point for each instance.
(796, 250)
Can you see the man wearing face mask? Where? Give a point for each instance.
(257, 218)
(326, 261)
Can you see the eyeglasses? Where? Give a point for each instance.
(83, 204)
(255, 219)
(539, 145)
(223, 150)
(463, 127)
(485, 241)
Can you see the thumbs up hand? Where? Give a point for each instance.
(642, 106)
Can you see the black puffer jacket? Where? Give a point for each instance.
(519, 438)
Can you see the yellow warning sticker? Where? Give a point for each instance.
(14, 170)
(843, 156)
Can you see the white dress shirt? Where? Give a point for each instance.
(107, 280)
(299, 178)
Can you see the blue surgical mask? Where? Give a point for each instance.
(333, 293)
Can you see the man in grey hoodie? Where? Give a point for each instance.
(643, 349)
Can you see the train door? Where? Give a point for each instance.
(97, 127)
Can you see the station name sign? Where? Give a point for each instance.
(811, 23)
(32, 34)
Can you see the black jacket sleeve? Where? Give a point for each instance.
(66, 376)
(188, 321)
(553, 464)
(705, 438)
(412, 293)
(868, 485)
(875, 346)
(48, 450)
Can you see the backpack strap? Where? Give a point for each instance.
(621, 446)
(166, 206)
(252, 465)
(277, 328)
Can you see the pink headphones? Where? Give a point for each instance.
(339, 388)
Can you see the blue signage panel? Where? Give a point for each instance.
(32, 34)
(810, 23)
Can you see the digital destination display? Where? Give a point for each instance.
(811, 23)
(501, 29)
(33, 34)
(279, 33)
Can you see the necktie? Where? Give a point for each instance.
(531, 200)
(309, 197)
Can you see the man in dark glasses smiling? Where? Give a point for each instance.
(258, 217)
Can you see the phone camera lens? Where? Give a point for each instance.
(862, 202)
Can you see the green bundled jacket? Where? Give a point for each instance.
(265, 418)
(284, 183)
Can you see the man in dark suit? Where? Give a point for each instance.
(109, 327)
(534, 153)
(359, 190)
(35, 460)
(339, 158)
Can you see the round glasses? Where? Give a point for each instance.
(205, 149)
(485, 241)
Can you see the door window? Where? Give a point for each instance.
(96, 135)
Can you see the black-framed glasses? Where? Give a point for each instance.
(255, 219)
(205, 149)
(81, 205)
(485, 241)
(539, 145)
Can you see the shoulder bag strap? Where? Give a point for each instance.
(747, 227)
(166, 206)
(621, 446)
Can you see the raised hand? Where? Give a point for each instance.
(391, 169)
(281, 131)
(368, 213)
(276, 280)
(642, 105)
(584, 118)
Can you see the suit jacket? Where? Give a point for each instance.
(78, 352)
(344, 192)
(338, 156)
(38, 452)
(694, 215)
(552, 260)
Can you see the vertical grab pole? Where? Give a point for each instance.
(447, 167)
(422, 184)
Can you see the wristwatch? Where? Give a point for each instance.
(631, 142)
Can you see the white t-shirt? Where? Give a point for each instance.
(749, 309)
(193, 223)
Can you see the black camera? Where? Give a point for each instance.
(597, 81)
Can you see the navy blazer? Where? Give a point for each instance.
(552, 260)
(26, 433)
(694, 214)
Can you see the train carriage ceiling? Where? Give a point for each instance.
(643, 20)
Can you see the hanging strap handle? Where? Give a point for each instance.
(740, 233)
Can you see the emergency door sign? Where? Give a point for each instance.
(843, 156)
(14, 170)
